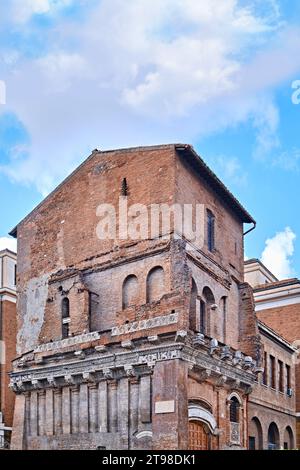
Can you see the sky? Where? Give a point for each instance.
(222, 75)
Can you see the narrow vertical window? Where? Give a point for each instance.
(265, 374)
(234, 410)
(65, 318)
(272, 372)
(288, 378)
(280, 376)
(210, 231)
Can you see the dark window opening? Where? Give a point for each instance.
(280, 378)
(234, 410)
(272, 372)
(265, 374)
(252, 443)
(288, 377)
(124, 189)
(65, 318)
(210, 231)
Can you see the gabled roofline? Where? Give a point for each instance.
(256, 260)
(199, 164)
(275, 336)
(212, 180)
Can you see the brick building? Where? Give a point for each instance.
(148, 343)
(277, 306)
(8, 330)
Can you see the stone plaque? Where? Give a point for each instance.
(162, 407)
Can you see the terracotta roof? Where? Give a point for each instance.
(274, 285)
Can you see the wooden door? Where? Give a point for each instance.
(198, 438)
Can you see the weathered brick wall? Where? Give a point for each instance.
(270, 405)
(285, 320)
(192, 189)
(61, 234)
(9, 333)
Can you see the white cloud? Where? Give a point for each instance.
(23, 10)
(277, 255)
(144, 72)
(8, 244)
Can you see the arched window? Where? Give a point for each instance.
(255, 435)
(288, 439)
(65, 315)
(234, 410)
(273, 437)
(210, 230)
(193, 307)
(155, 284)
(130, 291)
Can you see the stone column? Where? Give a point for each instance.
(113, 407)
(66, 411)
(93, 408)
(41, 412)
(34, 414)
(123, 412)
(83, 409)
(49, 412)
(134, 407)
(145, 400)
(75, 410)
(57, 412)
(102, 406)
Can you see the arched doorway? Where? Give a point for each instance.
(255, 435)
(273, 437)
(202, 425)
(288, 439)
(198, 436)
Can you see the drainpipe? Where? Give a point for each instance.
(251, 229)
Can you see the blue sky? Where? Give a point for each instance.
(104, 74)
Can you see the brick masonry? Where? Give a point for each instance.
(141, 388)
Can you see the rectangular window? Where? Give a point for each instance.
(288, 377)
(272, 372)
(251, 443)
(280, 376)
(210, 231)
(265, 374)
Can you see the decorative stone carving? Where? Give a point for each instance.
(238, 358)
(199, 340)
(214, 345)
(220, 381)
(204, 375)
(226, 354)
(154, 339)
(66, 343)
(101, 349)
(248, 362)
(69, 379)
(127, 344)
(108, 374)
(129, 371)
(156, 322)
(181, 336)
(79, 354)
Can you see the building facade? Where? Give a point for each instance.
(8, 329)
(147, 342)
(278, 307)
